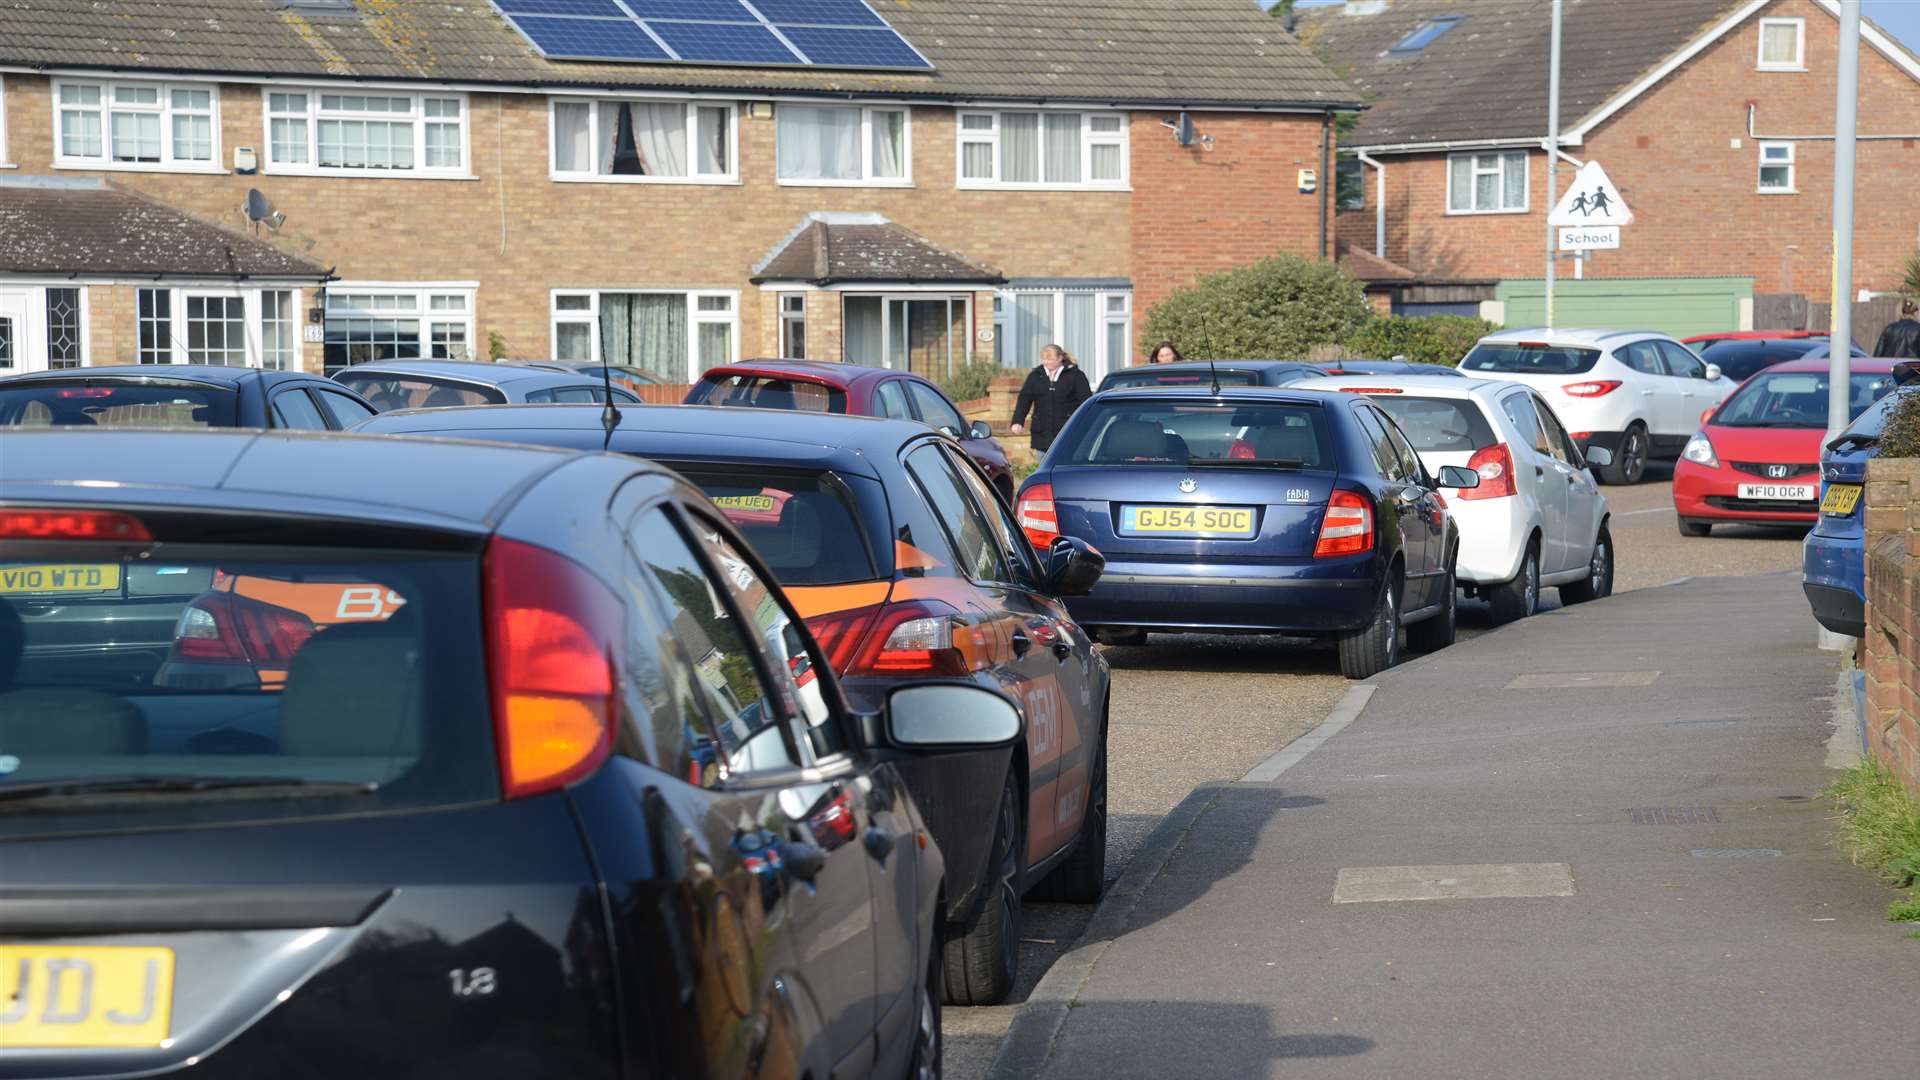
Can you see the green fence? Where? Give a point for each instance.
(1678, 306)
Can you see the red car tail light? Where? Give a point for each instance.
(70, 525)
(551, 629)
(840, 633)
(222, 628)
(1348, 527)
(1495, 466)
(1592, 389)
(914, 638)
(1038, 517)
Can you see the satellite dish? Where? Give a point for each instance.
(1185, 134)
(261, 212)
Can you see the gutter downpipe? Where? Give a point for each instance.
(1379, 200)
(1326, 178)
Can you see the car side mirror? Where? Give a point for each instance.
(1073, 565)
(1598, 456)
(1458, 476)
(980, 429)
(932, 718)
(1712, 373)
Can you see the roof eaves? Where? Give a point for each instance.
(1665, 68)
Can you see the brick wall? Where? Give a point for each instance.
(1684, 162)
(1893, 616)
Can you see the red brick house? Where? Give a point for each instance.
(466, 193)
(1713, 117)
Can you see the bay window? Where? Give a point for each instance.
(827, 145)
(373, 133)
(643, 141)
(405, 322)
(672, 334)
(136, 125)
(1094, 323)
(1487, 183)
(187, 324)
(1047, 149)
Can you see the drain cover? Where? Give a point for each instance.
(1676, 815)
(1736, 853)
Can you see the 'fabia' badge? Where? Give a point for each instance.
(1188, 486)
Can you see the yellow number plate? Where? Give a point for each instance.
(75, 996)
(1198, 520)
(1840, 499)
(59, 577)
(758, 503)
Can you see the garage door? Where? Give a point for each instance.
(1678, 306)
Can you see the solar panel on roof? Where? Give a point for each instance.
(760, 33)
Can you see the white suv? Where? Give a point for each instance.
(1638, 393)
(1537, 518)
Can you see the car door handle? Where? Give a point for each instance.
(1646, 393)
(802, 861)
(878, 842)
(1022, 644)
(1062, 648)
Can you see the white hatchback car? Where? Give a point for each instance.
(1538, 517)
(1637, 393)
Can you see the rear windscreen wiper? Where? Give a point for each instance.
(1847, 438)
(1248, 463)
(141, 785)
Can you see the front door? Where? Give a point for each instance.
(14, 336)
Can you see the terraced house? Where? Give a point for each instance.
(664, 183)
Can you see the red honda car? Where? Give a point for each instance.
(1701, 341)
(824, 386)
(1757, 457)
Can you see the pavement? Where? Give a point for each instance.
(1589, 844)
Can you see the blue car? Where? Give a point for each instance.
(444, 384)
(1202, 373)
(1254, 510)
(1834, 572)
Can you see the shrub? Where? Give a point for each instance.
(1276, 309)
(1426, 339)
(1882, 828)
(1912, 282)
(1901, 437)
(971, 380)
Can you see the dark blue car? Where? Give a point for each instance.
(1254, 510)
(1834, 572)
(1203, 373)
(178, 396)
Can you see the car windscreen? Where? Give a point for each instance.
(1530, 358)
(185, 685)
(1741, 360)
(1194, 434)
(807, 526)
(1797, 399)
(770, 392)
(113, 405)
(1121, 380)
(387, 392)
(1440, 425)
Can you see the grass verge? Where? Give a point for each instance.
(1881, 827)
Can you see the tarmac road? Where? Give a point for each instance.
(1193, 709)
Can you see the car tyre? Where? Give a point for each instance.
(929, 1050)
(1514, 600)
(983, 957)
(1436, 632)
(1695, 527)
(1375, 647)
(1080, 878)
(1630, 464)
(1598, 584)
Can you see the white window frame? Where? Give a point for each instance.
(693, 107)
(5, 162)
(1473, 170)
(867, 179)
(164, 110)
(177, 297)
(1793, 178)
(1799, 61)
(590, 316)
(313, 114)
(419, 298)
(782, 317)
(1106, 313)
(1088, 140)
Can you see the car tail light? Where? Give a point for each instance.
(915, 638)
(1038, 517)
(1495, 466)
(1578, 436)
(551, 629)
(86, 392)
(221, 628)
(840, 633)
(70, 525)
(1592, 389)
(1348, 527)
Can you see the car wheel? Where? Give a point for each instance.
(1514, 600)
(984, 956)
(928, 1049)
(1630, 464)
(1080, 878)
(1436, 632)
(1375, 647)
(1695, 527)
(1598, 584)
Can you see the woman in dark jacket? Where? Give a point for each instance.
(1901, 339)
(1051, 393)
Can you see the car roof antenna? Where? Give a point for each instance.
(610, 418)
(1215, 372)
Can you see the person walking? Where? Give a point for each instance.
(1164, 353)
(1901, 338)
(1051, 393)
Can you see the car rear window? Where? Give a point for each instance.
(1186, 434)
(1440, 425)
(1530, 358)
(1797, 399)
(807, 527)
(389, 392)
(78, 404)
(1869, 424)
(1189, 377)
(181, 685)
(1740, 360)
(769, 392)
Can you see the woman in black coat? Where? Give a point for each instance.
(1051, 393)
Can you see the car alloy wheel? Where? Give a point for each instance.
(1633, 456)
(1390, 615)
(1600, 567)
(927, 1049)
(1531, 585)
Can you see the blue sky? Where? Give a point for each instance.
(1901, 18)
